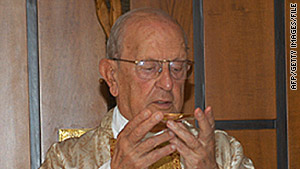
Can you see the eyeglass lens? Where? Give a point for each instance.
(151, 69)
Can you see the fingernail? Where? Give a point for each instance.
(146, 114)
(170, 123)
(158, 116)
(173, 147)
(171, 133)
(200, 114)
(209, 110)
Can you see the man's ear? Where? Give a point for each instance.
(108, 72)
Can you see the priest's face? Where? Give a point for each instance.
(137, 91)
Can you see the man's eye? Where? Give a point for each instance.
(148, 69)
(176, 68)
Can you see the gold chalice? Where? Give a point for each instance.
(178, 116)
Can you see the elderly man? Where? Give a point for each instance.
(145, 69)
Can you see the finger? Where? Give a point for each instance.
(203, 140)
(132, 124)
(156, 155)
(143, 128)
(183, 149)
(209, 115)
(192, 156)
(204, 126)
(152, 142)
(183, 133)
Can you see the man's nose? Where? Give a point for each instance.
(165, 81)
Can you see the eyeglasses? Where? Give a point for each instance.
(150, 69)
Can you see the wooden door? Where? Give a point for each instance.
(14, 108)
(292, 85)
(71, 44)
(240, 80)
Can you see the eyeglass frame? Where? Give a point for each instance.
(136, 62)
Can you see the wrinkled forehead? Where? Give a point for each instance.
(154, 36)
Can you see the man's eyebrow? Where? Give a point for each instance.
(176, 59)
(179, 57)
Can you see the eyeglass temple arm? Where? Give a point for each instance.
(124, 60)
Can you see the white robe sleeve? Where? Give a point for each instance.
(105, 165)
(229, 152)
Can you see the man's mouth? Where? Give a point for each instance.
(164, 106)
(161, 104)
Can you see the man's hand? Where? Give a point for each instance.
(133, 152)
(197, 151)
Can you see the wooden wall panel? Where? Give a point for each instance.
(71, 44)
(293, 96)
(182, 11)
(259, 146)
(14, 108)
(240, 59)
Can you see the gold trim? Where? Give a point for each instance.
(64, 134)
